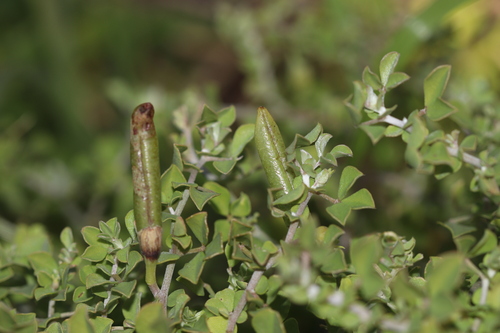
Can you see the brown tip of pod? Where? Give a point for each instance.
(150, 242)
(142, 118)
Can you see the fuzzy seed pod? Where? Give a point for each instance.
(145, 162)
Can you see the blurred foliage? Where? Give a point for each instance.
(72, 71)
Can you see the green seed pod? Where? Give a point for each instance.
(147, 191)
(272, 153)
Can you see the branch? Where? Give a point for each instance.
(453, 151)
(162, 294)
(256, 275)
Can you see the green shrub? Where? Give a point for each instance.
(372, 283)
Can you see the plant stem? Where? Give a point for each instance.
(162, 294)
(256, 275)
(453, 151)
(485, 284)
(114, 270)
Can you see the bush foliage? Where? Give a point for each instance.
(222, 268)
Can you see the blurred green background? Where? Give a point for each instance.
(71, 72)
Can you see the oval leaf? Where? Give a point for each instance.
(349, 175)
(267, 321)
(435, 83)
(387, 65)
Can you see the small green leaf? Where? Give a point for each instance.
(221, 203)
(291, 196)
(464, 243)
(243, 135)
(67, 237)
(201, 196)
(131, 308)
(222, 303)
(179, 227)
(134, 258)
(218, 324)
(90, 236)
(130, 225)
(332, 233)
(125, 288)
(95, 279)
(486, 244)
(267, 320)
(54, 328)
(172, 175)
(222, 227)
(6, 273)
(340, 212)
(242, 206)
(322, 177)
(82, 294)
(225, 166)
(349, 176)
(177, 158)
(356, 102)
(109, 228)
(395, 79)
(371, 79)
(445, 274)
(435, 84)
(375, 132)
(197, 223)
(321, 143)
(313, 135)
(459, 228)
(45, 279)
(214, 248)
(241, 247)
(102, 324)
(412, 157)
(334, 262)
(393, 131)
(227, 116)
(436, 154)
(440, 109)
(387, 66)
(151, 319)
(208, 115)
(263, 253)
(341, 151)
(167, 257)
(435, 136)
(291, 325)
(43, 262)
(362, 199)
(418, 133)
(469, 143)
(177, 301)
(122, 254)
(79, 321)
(365, 252)
(192, 270)
(29, 239)
(262, 286)
(85, 270)
(95, 253)
(183, 241)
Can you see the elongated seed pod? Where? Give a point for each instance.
(146, 178)
(272, 153)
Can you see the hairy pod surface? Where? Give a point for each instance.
(150, 240)
(146, 178)
(272, 153)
